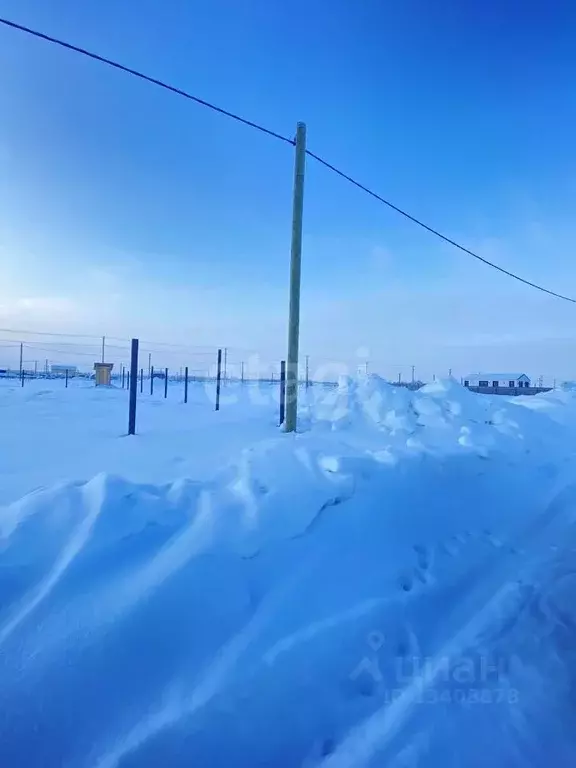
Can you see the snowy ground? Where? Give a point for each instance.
(393, 586)
(51, 434)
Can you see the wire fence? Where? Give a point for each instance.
(34, 355)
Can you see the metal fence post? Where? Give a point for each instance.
(218, 378)
(123, 377)
(152, 380)
(165, 382)
(133, 384)
(66, 378)
(141, 380)
(282, 391)
(186, 384)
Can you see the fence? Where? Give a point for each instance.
(214, 379)
(38, 356)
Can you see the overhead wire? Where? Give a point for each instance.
(274, 134)
(147, 78)
(435, 231)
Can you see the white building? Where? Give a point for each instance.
(511, 380)
(60, 370)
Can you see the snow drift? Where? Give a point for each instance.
(393, 586)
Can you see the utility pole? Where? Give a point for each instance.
(307, 371)
(103, 346)
(295, 271)
(149, 363)
(21, 349)
(399, 378)
(46, 367)
(242, 371)
(35, 368)
(366, 367)
(413, 369)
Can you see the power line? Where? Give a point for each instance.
(147, 78)
(279, 136)
(46, 333)
(67, 352)
(435, 231)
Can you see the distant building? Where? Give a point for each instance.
(103, 374)
(60, 370)
(495, 380)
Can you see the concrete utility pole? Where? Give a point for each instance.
(225, 361)
(295, 271)
(21, 349)
(149, 363)
(413, 378)
(307, 371)
(103, 346)
(399, 378)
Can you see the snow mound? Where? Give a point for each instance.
(393, 587)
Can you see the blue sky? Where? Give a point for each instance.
(126, 210)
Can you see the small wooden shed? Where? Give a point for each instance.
(103, 374)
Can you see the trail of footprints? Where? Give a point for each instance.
(422, 572)
(400, 642)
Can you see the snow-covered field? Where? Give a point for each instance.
(393, 586)
(50, 433)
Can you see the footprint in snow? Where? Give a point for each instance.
(423, 556)
(405, 582)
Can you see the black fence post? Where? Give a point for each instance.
(21, 377)
(151, 379)
(186, 384)
(141, 380)
(218, 379)
(282, 391)
(128, 379)
(166, 382)
(133, 385)
(66, 378)
(123, 377)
